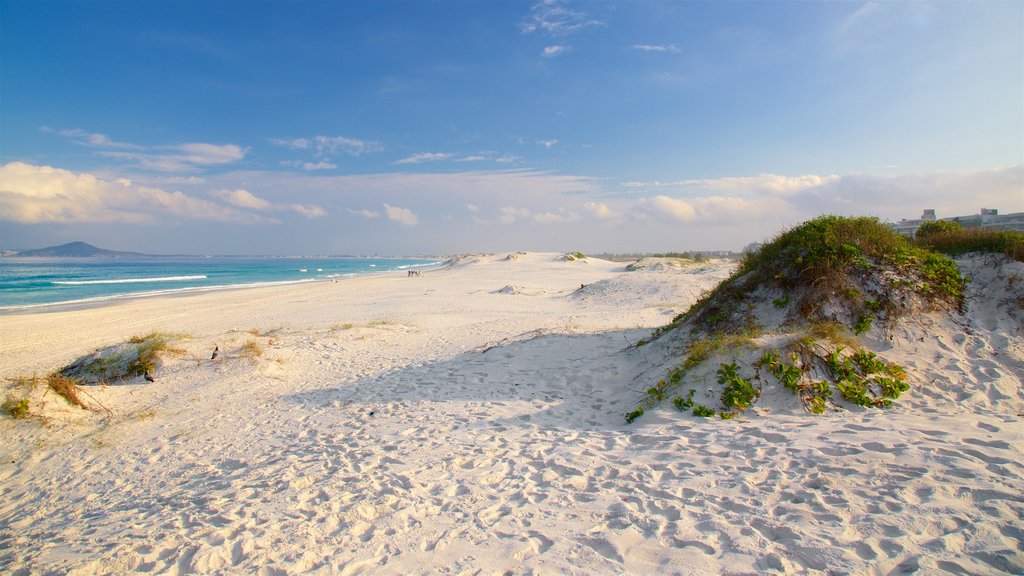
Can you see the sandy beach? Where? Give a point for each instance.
(471, 421)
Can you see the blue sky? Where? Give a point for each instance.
(441, 127)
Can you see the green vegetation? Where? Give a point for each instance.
(684, 403)
(135, 357)
(957, 241)
(16, 408)
(862, 374)
(703, 411)
(150, 348)
(738, 393)
(838, 277)
(634, 415)
(937, 227)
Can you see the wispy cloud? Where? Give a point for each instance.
(242, 198)
(549, 144)
(169, 158)
(859, 15)
(555, 18)
(365, 213)
(181, 158)
(670, 48)
(552, 51)
(309, 166)
(94, 139)
(329, 146)
(403, 216)
(425, 157)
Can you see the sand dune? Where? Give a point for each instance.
(441, 424)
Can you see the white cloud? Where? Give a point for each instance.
(172, 158)
(473, 158)
(552, 51)
(600, 210)
(209, 154)
(547, 143)
(94, 139)
(308, 210)
(325, 146)
(292, 143)
(403, 216)
(242, 198)
(674, 208)
(330, 145)
(37, 194)
(556, 217)
(365, 213)
(425, 157)
(309, 166)
(509, 214)
(182, 158)
(507, 159)
(670, 48)
(554, 18)
(473, 208)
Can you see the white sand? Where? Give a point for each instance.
(470, 422)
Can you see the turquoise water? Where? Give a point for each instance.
(39, 282)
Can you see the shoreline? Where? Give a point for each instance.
(100, 301)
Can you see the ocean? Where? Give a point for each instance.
(32, 283)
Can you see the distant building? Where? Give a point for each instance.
(988, 218)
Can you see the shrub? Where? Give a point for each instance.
(937, 227)
(957, 242)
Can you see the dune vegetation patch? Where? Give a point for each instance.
(795, 312)
(953, 240)
(138, 356)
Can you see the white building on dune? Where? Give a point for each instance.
(988, 218)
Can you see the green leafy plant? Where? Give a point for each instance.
(726, 415)
(781, 302)
(738, 393)
(684, 403)
(863, 323)
(703, 411)
(657, 393)
(634, 415)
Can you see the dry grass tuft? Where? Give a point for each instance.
(251, 350)
(66, 388)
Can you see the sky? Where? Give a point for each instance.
(401, 128)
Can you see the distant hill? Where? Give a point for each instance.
(74, 250)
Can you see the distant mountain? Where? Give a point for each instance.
(75, 250)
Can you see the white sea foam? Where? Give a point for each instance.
(130, 280)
